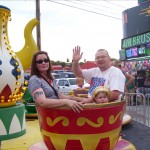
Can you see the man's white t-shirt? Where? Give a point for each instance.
(112, 78)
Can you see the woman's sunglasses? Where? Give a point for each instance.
(41, 61)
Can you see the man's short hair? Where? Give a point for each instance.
(103, 50)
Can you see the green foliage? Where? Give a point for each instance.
(63, 63)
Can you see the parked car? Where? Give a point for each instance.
(57, 76)
(58, 71)
(66, 85)
(67, 75)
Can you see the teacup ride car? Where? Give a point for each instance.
(97, 127)
(29, 105)
(126, 119)
(83, 92)
(80, 92)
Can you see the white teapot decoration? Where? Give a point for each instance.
(12, 65)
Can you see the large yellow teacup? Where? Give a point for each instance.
(97, 127)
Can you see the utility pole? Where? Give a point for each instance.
(38, 30)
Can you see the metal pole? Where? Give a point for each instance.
(38, 30)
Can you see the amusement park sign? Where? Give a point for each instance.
(135, 41)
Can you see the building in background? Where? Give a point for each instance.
(135, 45)
(88, 65)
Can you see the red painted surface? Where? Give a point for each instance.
(104, 144)
(73, 145)
(6, 92)
(91, 114)
(49, 143)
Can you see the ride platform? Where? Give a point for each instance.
(32, 140)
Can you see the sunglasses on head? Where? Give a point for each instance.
(41, 61)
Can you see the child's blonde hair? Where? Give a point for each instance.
(101, 89)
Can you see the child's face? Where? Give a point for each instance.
(101, 98)
(80, 82)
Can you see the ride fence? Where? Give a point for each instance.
(138, 107)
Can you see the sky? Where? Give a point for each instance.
(95, 24)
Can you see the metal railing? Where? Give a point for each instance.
(138, 107)
(147, 102)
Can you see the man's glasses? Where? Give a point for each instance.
(41, 61)
(100, 57)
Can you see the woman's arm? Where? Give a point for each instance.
(39, 97)
(71, 97)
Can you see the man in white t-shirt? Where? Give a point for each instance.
(103, 75)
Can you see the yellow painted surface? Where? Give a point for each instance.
(31, 136)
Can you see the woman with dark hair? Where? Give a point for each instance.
(44, 91)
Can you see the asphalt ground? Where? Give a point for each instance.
(138, 134)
